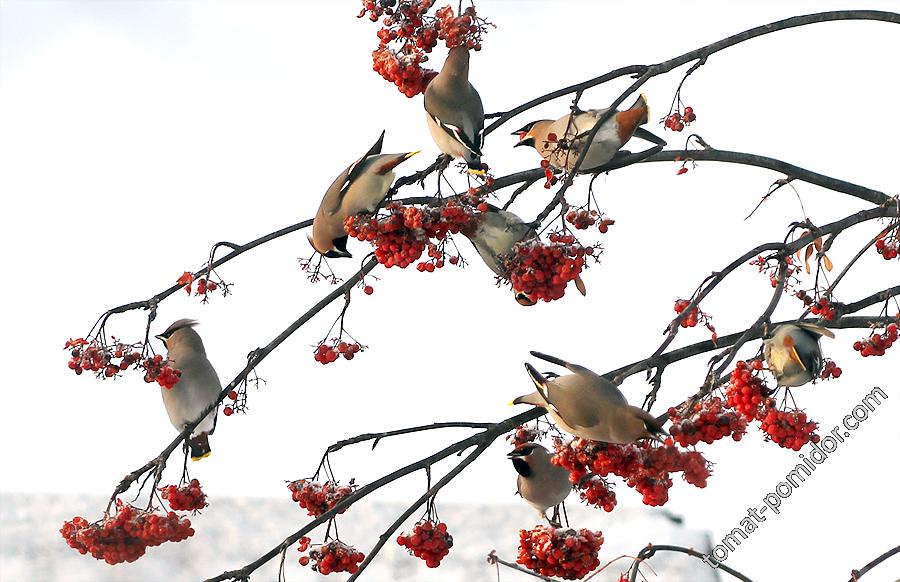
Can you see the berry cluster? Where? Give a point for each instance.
(789, 428)
(694, 317)
(317, 498)
(830, 370)
(677, 120)
(645, 468)
(771, 267)
(99, 358)
(429, 541)
(401, 237)
(550, 180)
(523, 434)
(407, 23)
(596, 491)
(327, 353)
(708, 422)
(156, 370)
(564, 553)
(124, 537)
(746, 392)
(582, 219)
(887, 247)
(333, 556)
(823, 308)
(543, 270)
(877, 343)
(185, 498)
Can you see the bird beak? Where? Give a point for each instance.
(391, 164)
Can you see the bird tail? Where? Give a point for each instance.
(630, 119)
(200, 447)
(816, 329)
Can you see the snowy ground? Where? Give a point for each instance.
(232, 532)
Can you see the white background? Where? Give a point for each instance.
(133, 135)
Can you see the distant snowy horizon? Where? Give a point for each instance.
(232, 532)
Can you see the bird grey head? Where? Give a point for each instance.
(165, 336)
(521, 455)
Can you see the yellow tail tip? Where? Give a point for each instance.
(411, 154)
(476, 172)
(203, 456)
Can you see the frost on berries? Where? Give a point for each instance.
(542, 270)
(328, 352)
(582, 219)
(333, 556)
(887, 244)
(677, 119)
(125, 536)
(319, 497)
(428, 541)
(564, 553)
(110, 360)
(877, 343)
(644, 467)
(188, 497)
(708, 421)
(414, 33)
(747, 393)
(521, 435)
(405, 232)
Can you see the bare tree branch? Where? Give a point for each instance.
(857, 574)
(650, 550)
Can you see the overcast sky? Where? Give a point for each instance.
(133, 135)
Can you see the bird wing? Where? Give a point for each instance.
(353, 172)
(816, 329)
(576, 368)
(459, 135)
(575, 402)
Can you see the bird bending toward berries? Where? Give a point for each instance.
(454, 111)
(198, 387)
(359, 188)
(588, 405)
(541, 483)
(560, 142)
(793, 353)
(494, 234)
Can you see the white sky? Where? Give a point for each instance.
(136, 134)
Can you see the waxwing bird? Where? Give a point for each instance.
(198, 387)
(588, 406)
(359, 188)
(454, 111)
(793, 353)
(541, 483)
(560, 142)
(495, 234)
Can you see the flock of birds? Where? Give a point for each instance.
(580, 402)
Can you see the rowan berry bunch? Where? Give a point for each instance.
(125, 536)
(677, 120)
(205, 285)
(403, 234)
(549, 179)
(789, 428)
(823, 308)
(877, 343)
(333, 556)
(770, 267)
(415, 33)
(188, 497)
(887, 245)
(746, 391)
(97, 357)
(582, 219)
(564, 553)
(329, 351)
(830, 370)
(708, 421)
(318, 497)
(522, 434)
(596, 491)
(694, 317)
(542, 270)
(645, 468)
(427, 540)
(159, 371)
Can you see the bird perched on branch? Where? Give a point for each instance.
(588, 405)
(359, 188)
(793, 353)
(454, 111)
(560, 142)
(197, 388)
(541, 483)
(494, 234)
